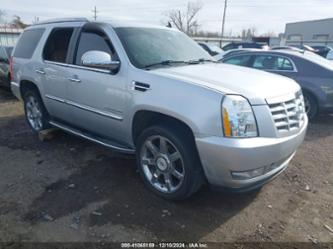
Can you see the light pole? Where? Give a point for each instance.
(224, 14)
(95, 13)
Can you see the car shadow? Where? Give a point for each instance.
(321, 127)
(6, 95)
(114, 181)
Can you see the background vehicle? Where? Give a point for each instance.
(236, 51)
(287, 48)
(312, 72)
(187, 118)
(322, 50)
(212, 49)
(329, 55)
(305, 47)
(237, 45)
(5, 53)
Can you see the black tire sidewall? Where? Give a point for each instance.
(193, 178)
(314, 106)
(45, 121)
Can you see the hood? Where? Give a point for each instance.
(253, 84)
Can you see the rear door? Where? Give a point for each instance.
(275, 64)
(55, 73)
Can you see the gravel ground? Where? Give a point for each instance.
(70, 190)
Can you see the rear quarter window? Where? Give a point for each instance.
(28, 42)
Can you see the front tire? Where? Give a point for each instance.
(168, 163)
(35, 112)
(311, 106)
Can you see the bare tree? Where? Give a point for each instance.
(249, 33)
(18, 23)
(186, 21)
(2, 16)
(269, 33)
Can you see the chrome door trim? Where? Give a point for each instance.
(77, 67)
(86, 108)
(55, 98)
(80, 134)
(94, 110)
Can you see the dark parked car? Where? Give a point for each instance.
(322, 50)
(212, 49)
(236, 45)
(5, 53)
(313, 73)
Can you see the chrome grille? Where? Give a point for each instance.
(289, 115)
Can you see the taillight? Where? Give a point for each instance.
(11, 71)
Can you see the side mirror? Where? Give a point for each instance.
(99, 60)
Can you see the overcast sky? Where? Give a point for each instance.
(265, 15)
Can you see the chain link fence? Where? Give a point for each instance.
(9, 35)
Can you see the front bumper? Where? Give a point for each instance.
(220, 156)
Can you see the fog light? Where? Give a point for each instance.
(245, 175)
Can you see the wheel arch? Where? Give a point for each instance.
(146, 118)
(28, 85)
(312, 94)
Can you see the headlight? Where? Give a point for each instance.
(238, 118)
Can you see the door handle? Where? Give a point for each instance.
(74, 80)
(40, 71)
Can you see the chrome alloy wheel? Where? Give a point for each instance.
(34, 113)
(162, 164)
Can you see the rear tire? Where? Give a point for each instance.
(168, 163)
(311, 106)
(35, 112)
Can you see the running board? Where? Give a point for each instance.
(101, 141)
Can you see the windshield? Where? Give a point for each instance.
(148, 46)
(319, 60)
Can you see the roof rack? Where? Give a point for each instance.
(59, 20)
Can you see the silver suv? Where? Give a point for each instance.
(153, 91)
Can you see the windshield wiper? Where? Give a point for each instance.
(201, 60)
(170, 62)
(164, 63)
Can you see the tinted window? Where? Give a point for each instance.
(241, 60)
(3, 55)
(146, 46)
(57, 44)
(229, 46)
(92, 41)
(27, 43)
(268, 62)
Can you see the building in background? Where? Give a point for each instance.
(9, 35)
(315, 32)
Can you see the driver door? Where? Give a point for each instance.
(96, 96)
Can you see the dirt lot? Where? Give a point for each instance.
(68, 189)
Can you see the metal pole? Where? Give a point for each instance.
(224, 14)
(95, 13)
